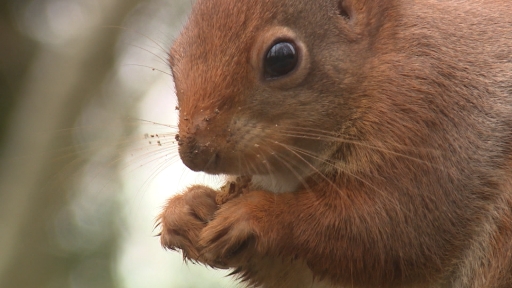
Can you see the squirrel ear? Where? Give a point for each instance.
(345, 9)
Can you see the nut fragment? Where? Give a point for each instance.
(233, 189)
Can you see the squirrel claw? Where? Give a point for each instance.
(229, 240)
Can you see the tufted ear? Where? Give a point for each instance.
(350, 9)
(367, 16)
(345, 9)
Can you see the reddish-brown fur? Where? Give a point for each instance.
(385, 160)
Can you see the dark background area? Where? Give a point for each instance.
(72, 75)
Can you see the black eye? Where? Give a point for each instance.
(280, 60)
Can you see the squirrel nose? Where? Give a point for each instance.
(195, 144)
(197, 156)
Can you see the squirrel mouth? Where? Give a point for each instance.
(212, 164)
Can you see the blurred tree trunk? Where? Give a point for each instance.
(49, 97)
(16, 52)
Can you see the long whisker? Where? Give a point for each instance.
(161, 167)
(330, 136)
(164, 61)
(156, 155)
(313, 136)
(338, 138)
(270, 171)
(284, 161)
(149, 67)
(289, 148)
(155, 123)
(298, 151)
(140, 34)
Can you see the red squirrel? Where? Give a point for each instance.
(377, 136)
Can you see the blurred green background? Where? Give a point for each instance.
(84, 91)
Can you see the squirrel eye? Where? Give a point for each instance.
(280, 60)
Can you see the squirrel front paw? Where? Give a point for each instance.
(233, 237)
(183, 219)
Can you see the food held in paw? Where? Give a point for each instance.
(233, 189)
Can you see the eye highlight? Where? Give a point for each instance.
(281, 59)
